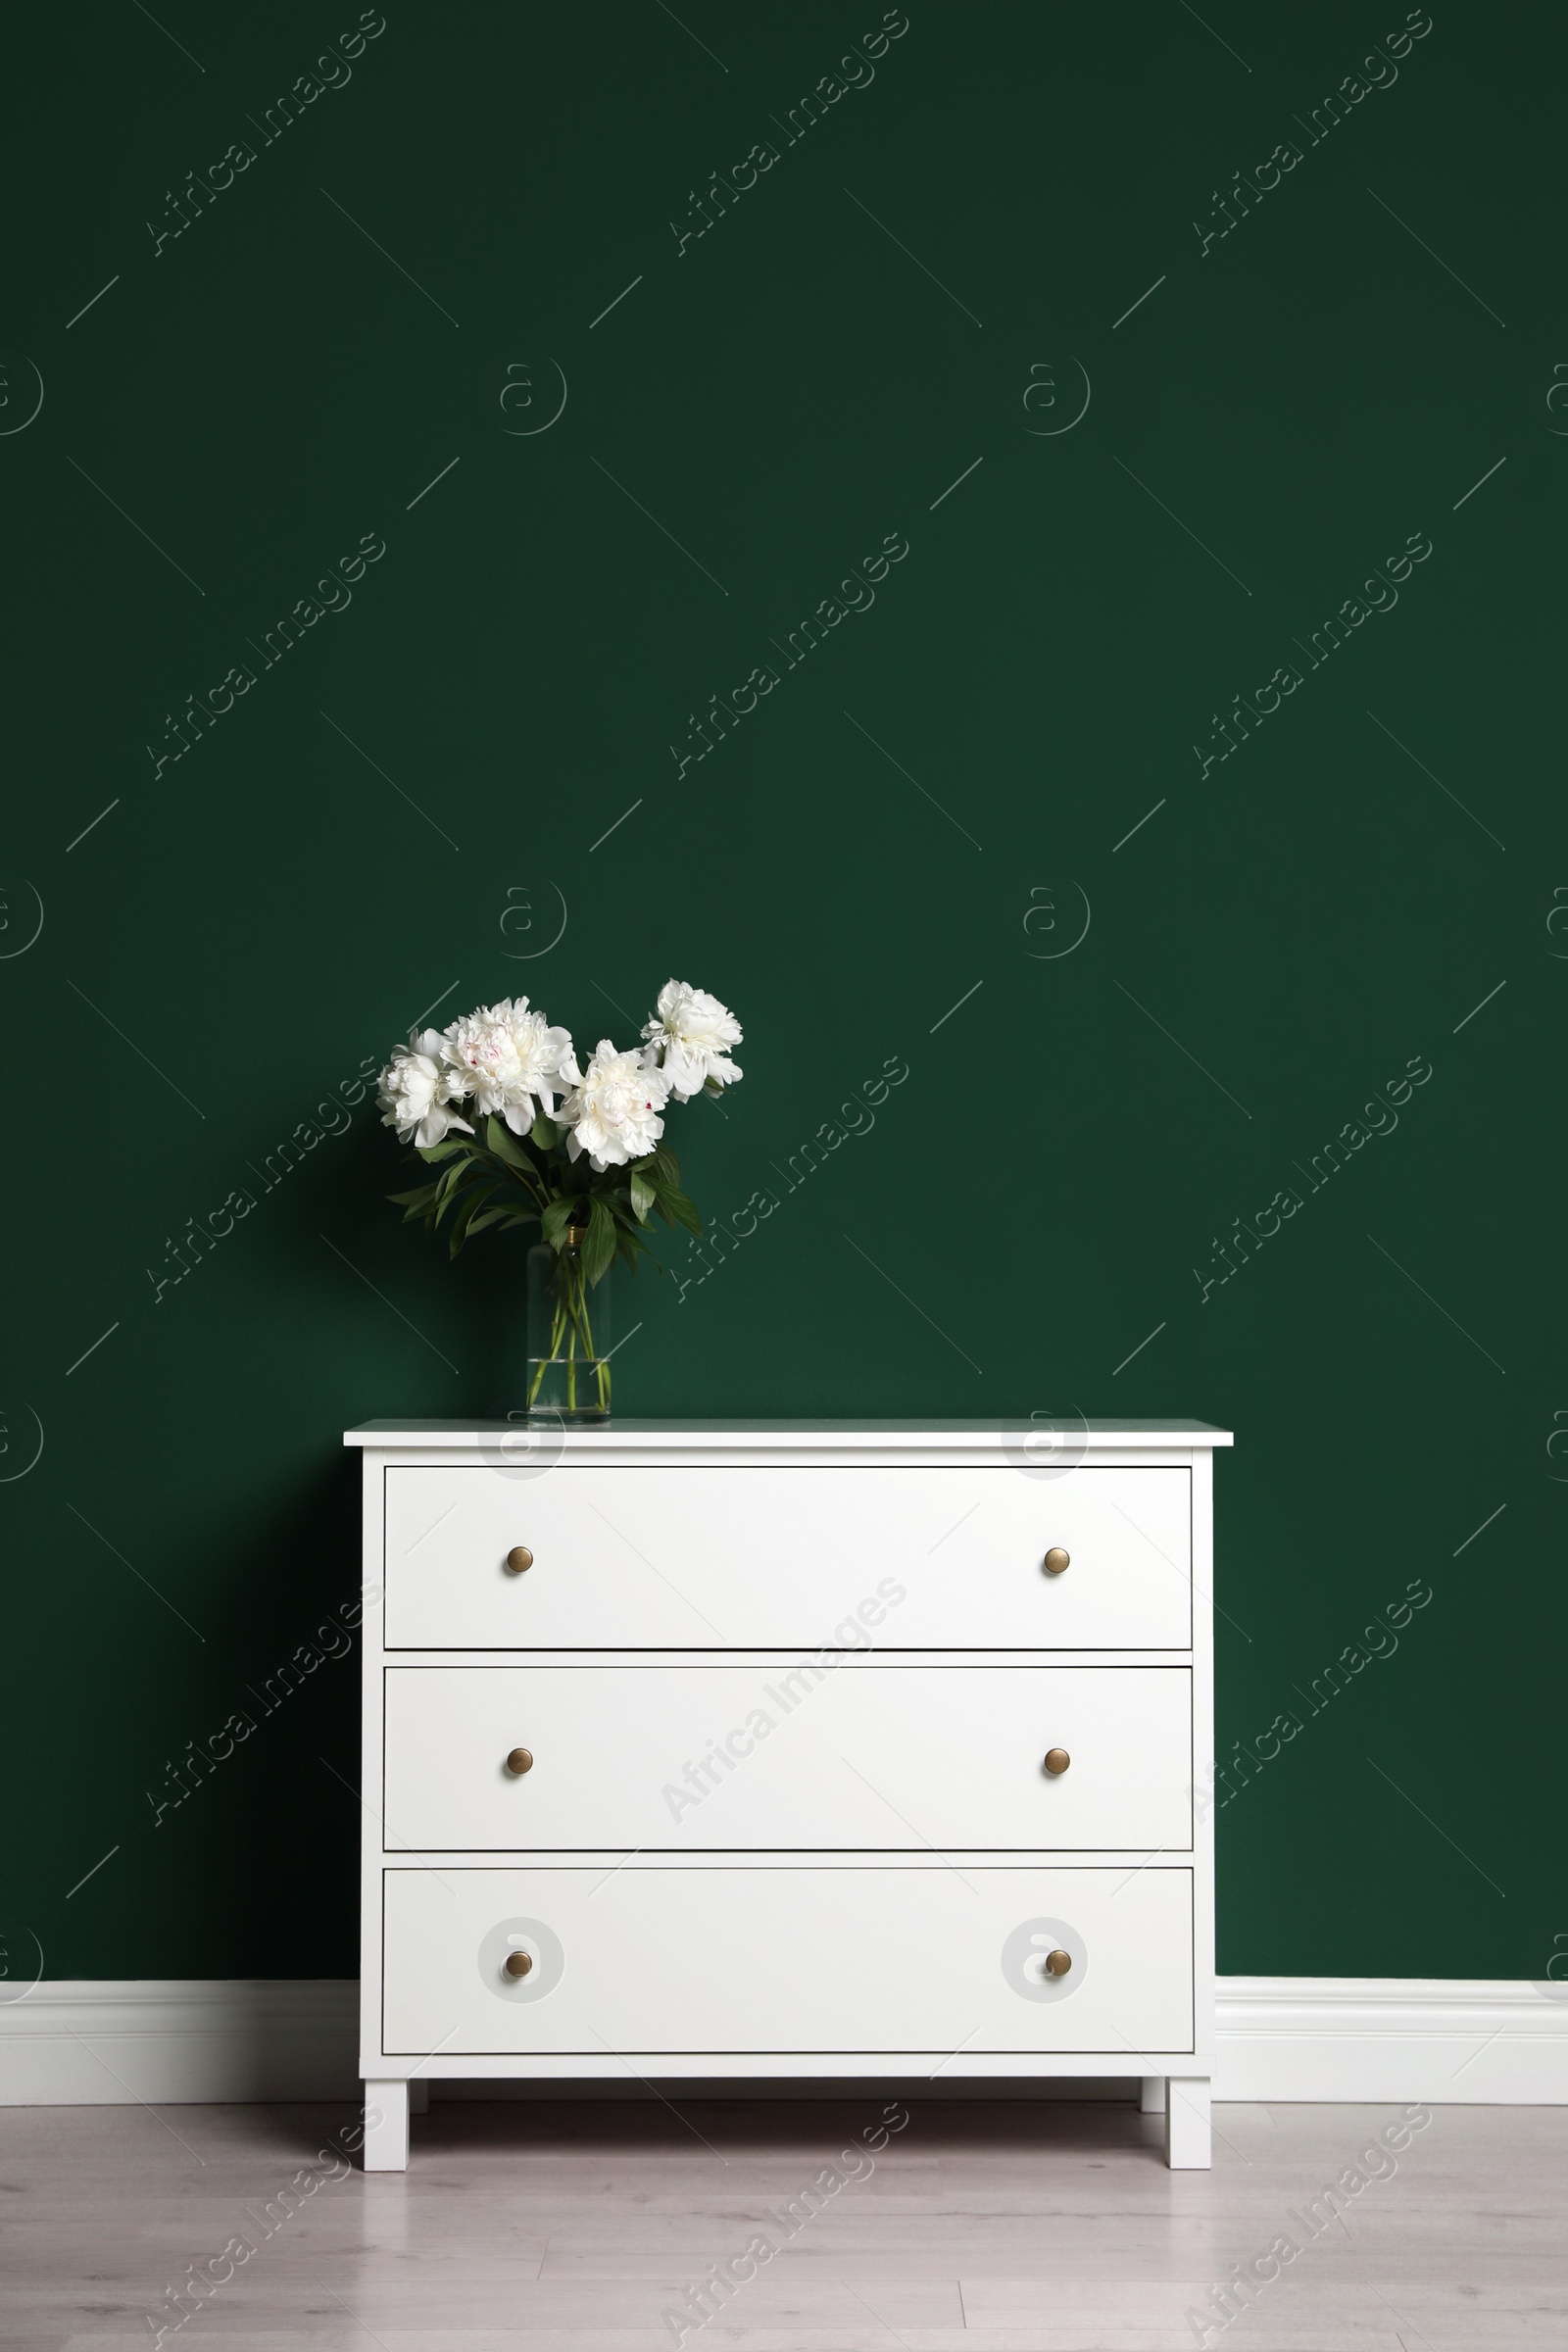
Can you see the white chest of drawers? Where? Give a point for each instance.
(783, 1749)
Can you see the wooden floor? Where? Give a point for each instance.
(995, 2227)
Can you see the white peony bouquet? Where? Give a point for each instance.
(524, 1134)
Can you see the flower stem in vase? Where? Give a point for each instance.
(567, 1371)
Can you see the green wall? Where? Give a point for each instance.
(250, 925)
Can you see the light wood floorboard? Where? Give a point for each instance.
(559, 2226)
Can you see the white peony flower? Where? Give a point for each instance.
(690, 1032)
(614, 1107)
(509, 1060)
(416, 1092)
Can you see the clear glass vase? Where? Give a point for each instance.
(570, 1337)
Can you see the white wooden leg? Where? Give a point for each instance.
(386, 2127)
(419, 2094)
(1152, 2096)
(1187, 2131)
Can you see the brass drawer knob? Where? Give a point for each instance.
(1056, 1759)
(518, 1964)
(520, 1760)
(1056, 1560)
(521, 1557)
(1056, 1963)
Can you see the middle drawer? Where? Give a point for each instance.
(790, 1755)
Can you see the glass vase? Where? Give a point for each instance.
(569, 1335)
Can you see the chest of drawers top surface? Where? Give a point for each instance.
(1035, 1441)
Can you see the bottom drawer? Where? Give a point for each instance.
(784, 1960)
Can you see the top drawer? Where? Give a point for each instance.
(787, 1558)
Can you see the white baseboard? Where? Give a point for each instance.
(70, 2043)
(78, 2043)
(1449, 2041)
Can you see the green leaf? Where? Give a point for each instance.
(417, 1205)
(662, 1164)
(545, 1133)
(458, 1183)
(556, 1217)
(441, 1151)
(493, 1216)
(682, 1211)
(598, 1249)
(464, 1216)
(628, 1249)
(643, 1197)
(500, 1140)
